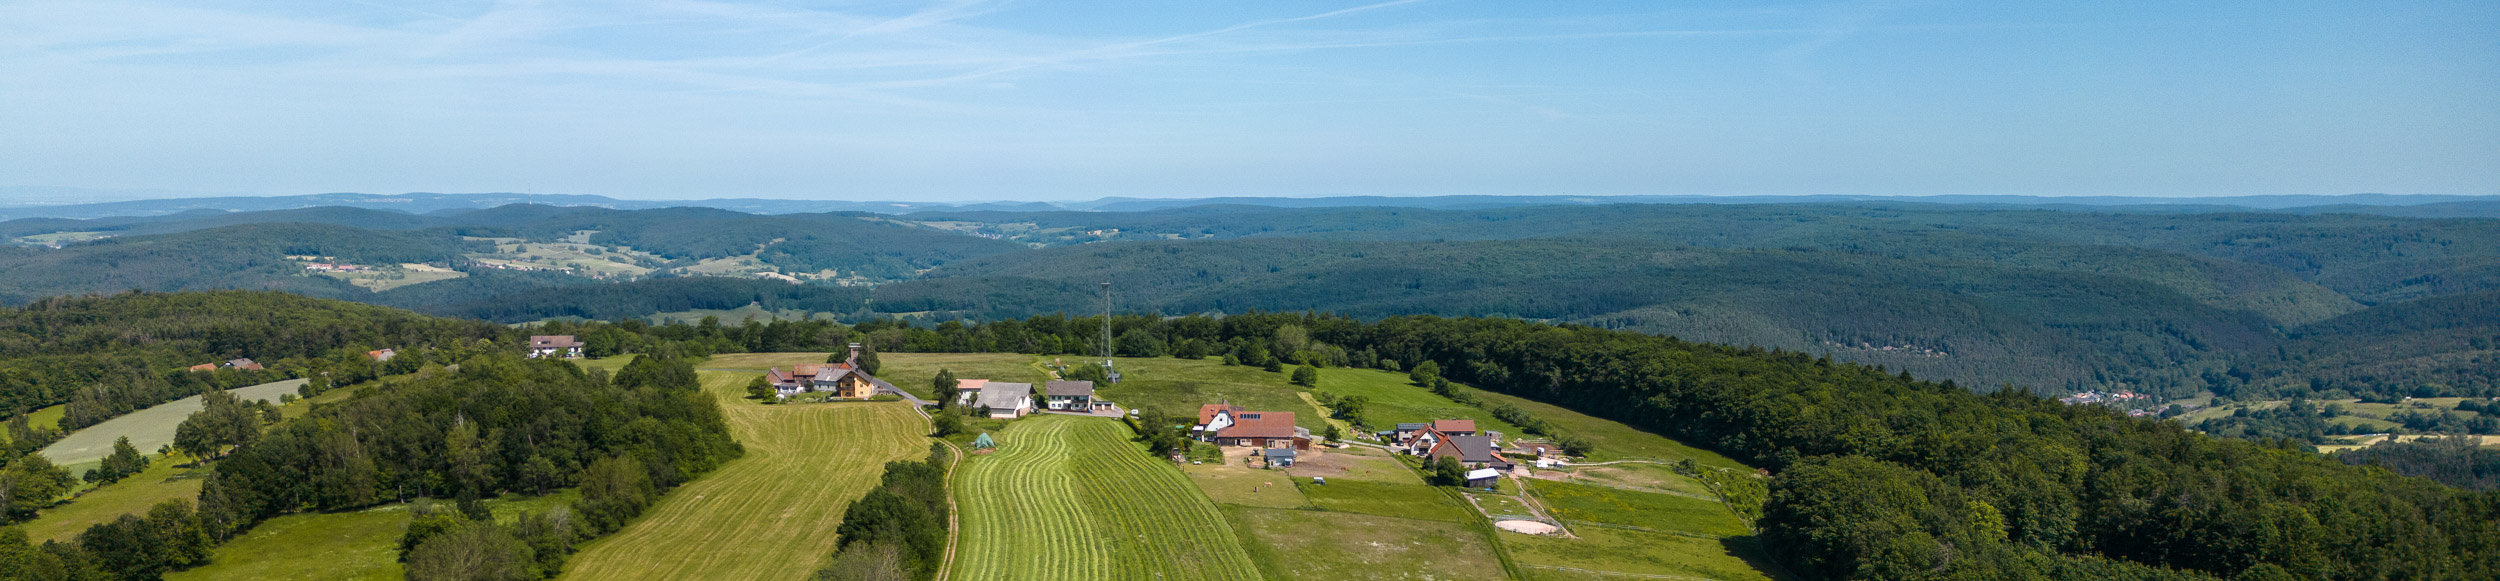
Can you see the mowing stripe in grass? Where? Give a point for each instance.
(1071, 498)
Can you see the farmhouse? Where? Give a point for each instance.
(1455, 427)
(1071, 396)
(835, 379)
(1472, 451)
(1213, 418)
(1264, 430)
(246, 364)
(968, 391)
(381, 354)
(1007, 400)
(555, 346)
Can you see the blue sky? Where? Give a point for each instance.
(973, 100)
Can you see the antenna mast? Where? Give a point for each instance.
(1106, 334)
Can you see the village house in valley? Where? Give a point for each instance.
(564, 346)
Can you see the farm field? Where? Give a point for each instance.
(1394, 400)
(913, 371)
(162, 481)
(1409, 501)
(1329, 546)
(391, 277)
(148, 429)
(1178, 387)
(734, 316)
(345, 545)
(1632, 476)
(756, 363)
(772, 513)
(1577, 503)
(1603, 553)
(1072, 498)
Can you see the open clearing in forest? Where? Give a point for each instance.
(162, 481)
(149, 428)
(772, 513)
(1072, 498)
(341, 545)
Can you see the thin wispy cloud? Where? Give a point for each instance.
(926, 98)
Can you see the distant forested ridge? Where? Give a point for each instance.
(2169, 303)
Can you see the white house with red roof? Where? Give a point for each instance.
(1264, 430)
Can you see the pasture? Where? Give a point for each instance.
(772, 513)
(149, 428)
(49, 417)
(1605, 553)
(1409, 501)
(1328, 546)
(1179, 386)
(1646, 510)
(162, 481)
(343, 545)
(1072, 498)
(1394, 400)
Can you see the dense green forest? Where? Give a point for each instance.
(105, 356)
(2171, 304)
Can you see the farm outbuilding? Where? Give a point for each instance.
(1280, 457)
(1483, 477)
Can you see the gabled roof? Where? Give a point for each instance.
(970, 384)
(1279, 452)
(1002, 395)
(1454, 425)
(1473, 448)
(558, 341)
(1259, 425)
(1412, 426)
(1206, 413)
(1069, 388)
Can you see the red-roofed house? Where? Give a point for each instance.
(1455, 427)
(1213, 418)
(1264, 430)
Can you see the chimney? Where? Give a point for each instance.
(854, 355)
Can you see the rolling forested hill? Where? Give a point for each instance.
(2169, 303)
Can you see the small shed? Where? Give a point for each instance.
(1279, 457)
(983, 442)
(1483, 477)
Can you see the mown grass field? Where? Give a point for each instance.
(1409, 501)
(1178, 387)
(1072, 498)
(49, 417)
(1648, 510)
(772, 513)
(148, 429)
(1331, 546)
(1394, 400)
(1633, 475)
(1602, 553)
(162, 481)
